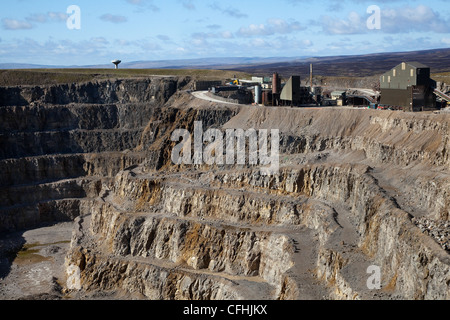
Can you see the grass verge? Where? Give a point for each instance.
(64, 76)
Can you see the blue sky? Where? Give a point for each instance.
(35, 31)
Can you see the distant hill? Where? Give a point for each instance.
(346, 66)
(355, 66)
(204, 63)
(9, 66)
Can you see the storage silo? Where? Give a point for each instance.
(258, 94)
(276, 84)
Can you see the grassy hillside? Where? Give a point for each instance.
(60, 76)
(355, 66)
(442, 77)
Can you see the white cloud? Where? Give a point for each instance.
(260, 43)
(253, 30)
(229, 11)
(57, 16)
(188, 4)
(201, 37)
(352, 25)
(149, 46)
(144, 4)
(283, 27)
(37, 17)
(163, 37)
(12, 24)
(393, 20)
(113, 18)
(407, 19)
(99, 41)
(46, 17)
(273, 26)
(307, 43)
(53, 49)
(227, 35)
(122, 42)
(213, 26)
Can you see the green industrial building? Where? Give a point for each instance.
(408, 86)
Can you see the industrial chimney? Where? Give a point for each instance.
(276, 83)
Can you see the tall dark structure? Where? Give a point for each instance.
(276, 89)
(292, 91)
(276, 83)
(409, 86)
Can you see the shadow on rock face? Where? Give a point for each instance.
(10, 246)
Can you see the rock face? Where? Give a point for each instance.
(104, 92)
(356, 189)
(61, 141)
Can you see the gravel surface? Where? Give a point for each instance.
(35, 267)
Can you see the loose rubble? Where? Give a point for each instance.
(438, 230)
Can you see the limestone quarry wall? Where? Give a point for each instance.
(53, 136)
(101, 92)
(417, 269)
(100, 152)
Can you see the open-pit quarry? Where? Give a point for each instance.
(92, 206)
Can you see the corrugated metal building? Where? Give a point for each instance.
(218, 89)
(258, 79)
(408, 86)
(291, 91)
(206, 85)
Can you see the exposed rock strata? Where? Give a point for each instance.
(356, 188)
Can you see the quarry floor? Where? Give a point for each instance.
(37, 272)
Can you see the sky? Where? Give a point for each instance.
(54, 32)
